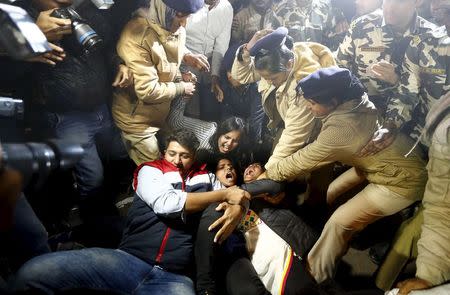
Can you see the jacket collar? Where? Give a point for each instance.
(363, 105)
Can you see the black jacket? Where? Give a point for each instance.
(80, 81)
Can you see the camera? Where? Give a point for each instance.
(84, 38)
(35, 161)
(11, 107)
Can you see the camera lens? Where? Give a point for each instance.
(87, 37)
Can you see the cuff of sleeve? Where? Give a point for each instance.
(183, 211)
(179, 89)
(242, 54)
(431, 273)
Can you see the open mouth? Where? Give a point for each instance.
(229, 176)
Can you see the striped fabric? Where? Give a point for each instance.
(203, 130)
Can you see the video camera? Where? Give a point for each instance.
(35, 161)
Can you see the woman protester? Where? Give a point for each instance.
(152, 45)
(349, 119)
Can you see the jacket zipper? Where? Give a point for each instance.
(163, 246)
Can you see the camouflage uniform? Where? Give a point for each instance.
(312, 20)
(247, 22)
(368, 41)
(424, 79)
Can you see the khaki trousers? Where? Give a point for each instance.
(141, 147)
(372, 203)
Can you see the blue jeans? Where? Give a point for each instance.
(99, 269)
(91, 129)
(27, 238)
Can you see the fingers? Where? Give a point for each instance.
(223, 233)
(222, 206)
(202, 63)
(216, 223)
(219, 95)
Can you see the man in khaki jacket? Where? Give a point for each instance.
(153, 47)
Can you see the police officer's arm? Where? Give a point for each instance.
(400, 104)
(135, 51)
(329, 146)
(299, 124)
(406, 98)
(243, 69)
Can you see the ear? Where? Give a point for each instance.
(290, 64)
(334, 102)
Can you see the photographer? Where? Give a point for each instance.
(70, 96)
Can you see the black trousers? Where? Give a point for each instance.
(223, 267)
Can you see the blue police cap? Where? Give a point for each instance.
(185, 6)
(326, 83)
(271, 41)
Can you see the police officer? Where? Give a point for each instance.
(313, 20)
(424, 80)
(375, 45)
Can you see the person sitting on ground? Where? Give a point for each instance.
(348, 120)
(270, 263)
(157, 246)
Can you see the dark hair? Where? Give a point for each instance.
(230, 124)
(276, 60)
(185, 138)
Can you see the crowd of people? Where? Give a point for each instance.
(240, 121)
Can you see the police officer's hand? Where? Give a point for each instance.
(384, 71)
(197, 61)
(231, 217)
(274, 200)
(189, 77)
(124, 77)
(412, 284)
(258, 35)
(56, 55)
(216, 89)
(381, 139)
(189, 89)
(54, 28)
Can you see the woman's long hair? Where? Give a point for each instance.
(230, 124)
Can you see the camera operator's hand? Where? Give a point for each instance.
(52, 57)
(53, 28)
(189, 89)
(231, 217)
(124, 77)
(198, 61)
